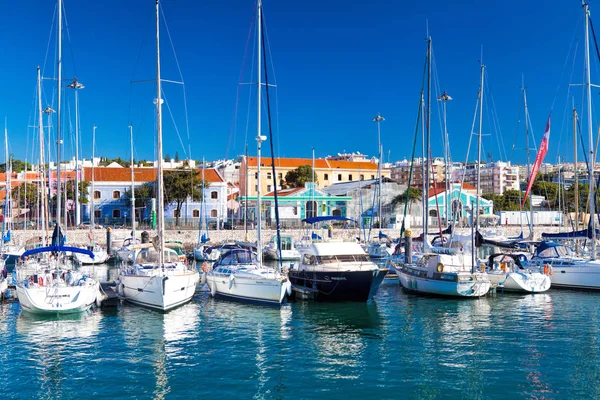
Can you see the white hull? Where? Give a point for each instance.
(286, 255)
(377, 250)
(475, 288)
(100, 257)
(577, 276)
(200, 255)
(525, 282)
(263, 290)
(160, 292)
(3, 288)
(57, 299)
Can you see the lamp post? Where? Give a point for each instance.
(379, 119)
(444, 98)
(75, 85)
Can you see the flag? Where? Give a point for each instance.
(538, 160)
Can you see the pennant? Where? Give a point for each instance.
(538, 160)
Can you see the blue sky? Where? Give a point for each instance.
(337, 64)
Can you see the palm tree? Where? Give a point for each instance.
(413, 195)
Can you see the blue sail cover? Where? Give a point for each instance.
(6, 237)
(313, 220)
(204, 238)
(57, 249)
(583, 234)
(314, 236)
(383, 235)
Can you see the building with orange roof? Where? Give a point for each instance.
(327, 172)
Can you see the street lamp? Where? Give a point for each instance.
(75, 85)
(444, 98)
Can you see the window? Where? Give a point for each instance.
(433, 213)
(116, 214)
(256, 187)
(97, 214)
(362, 177)
(116, 194)
(339, 177)
(213, 213)
(311, 209)
(256, 175)
(214, 194)
(268, 188)
(196, 213)
(97, 194)
(176, 213)
(350, 177)
(326, 177)
(268, 175)
(280, 176)
(372, 176)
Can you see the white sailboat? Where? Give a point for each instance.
(46, 282)
(158, 279)
(100, 256)
(443, 271)
(238, 274)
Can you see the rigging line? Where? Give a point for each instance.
(566, 110)
(512, 151)
(262, 23)
(135, 66)
(69, 38)
(49, 40)
(233, 126)
(164, 96)
(573, 40)
(268, 42)
(495, 120)
(187, 125)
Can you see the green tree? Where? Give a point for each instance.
(413, 194)
(176, 156)
(143, 194)
(83, 191)
(17, 165)
(167, 157)
(299, 176)
(26, 196)
(180, 184)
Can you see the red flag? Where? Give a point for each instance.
(538, 160)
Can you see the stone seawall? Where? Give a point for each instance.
(189, 238)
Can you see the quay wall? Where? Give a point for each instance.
(189, 238)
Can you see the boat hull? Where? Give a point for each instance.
(440, 287)
(270, 291)
(100, 257)
(534, 282)
(576, 277)
(357, 286)
(159, 292)
(57, 300)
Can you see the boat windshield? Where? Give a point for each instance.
(236, 257)
(310, 259)
(151, 256)
(556, 251)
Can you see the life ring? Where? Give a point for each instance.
(548, 270)
(440, 268)
(40, 281)
(205, 266)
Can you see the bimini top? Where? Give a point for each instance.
(57, 249)
(314, 220)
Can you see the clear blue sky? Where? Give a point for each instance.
(337, 64)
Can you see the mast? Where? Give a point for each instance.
(203, 221)
(427, 140)
(75, 85)
(245, 189)
(528, 154)
(7, 169)
(259, 138)
(476, 220)
(132, 184)
(379, 119)
(591, 158)
(444, 98)
(161, 206)
(44, 203)
(93, 211)
(576, 170)
(58, 114)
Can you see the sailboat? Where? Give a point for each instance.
(567, 269)
(9, 252)
(46, 282)
(239, 273)
(157, 279)
(100, 256)
(443, 271)
(202, 251)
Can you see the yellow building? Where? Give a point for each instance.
(327, 172)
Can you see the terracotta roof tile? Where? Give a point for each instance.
(210, 175)
(285, 192)
(104, 174)
(353, 165)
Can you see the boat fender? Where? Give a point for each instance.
(548, 270)
(503, 266)
(288, 289)
(213, 288)
(440, 268)
(231, 281)
(202, 278)
(40, 281)
(205, 266)
(482, 267)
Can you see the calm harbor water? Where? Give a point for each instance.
(543, 346)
